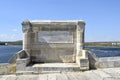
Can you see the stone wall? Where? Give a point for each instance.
(53, 40)
(108, 62)
(103, 62)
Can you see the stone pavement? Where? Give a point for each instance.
(99, 74)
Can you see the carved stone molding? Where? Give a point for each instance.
(81, 26)
(26, 26)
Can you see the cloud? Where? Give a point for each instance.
(3, 36)
(10, 37)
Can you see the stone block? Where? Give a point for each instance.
(83, 63)
(22, 63)
(107, 62)
(53, 55)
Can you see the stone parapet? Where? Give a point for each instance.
(108, 62)
(103, 62)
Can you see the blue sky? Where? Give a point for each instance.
(102, 17)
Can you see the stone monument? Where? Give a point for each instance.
(53, 42)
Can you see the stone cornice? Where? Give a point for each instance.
(52, 22)
(26, 26)
(26, 22)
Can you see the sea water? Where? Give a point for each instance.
(6, 52)
(105, 51)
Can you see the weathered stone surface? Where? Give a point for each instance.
(82, 60)
(54, 41)
(6, 68)
(55, 36)
(53, 55)
(100, 74)
(40, 35)
(103, 62)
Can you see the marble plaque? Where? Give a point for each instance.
(55, 36)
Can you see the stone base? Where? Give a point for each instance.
(25, 65)
(49, 67)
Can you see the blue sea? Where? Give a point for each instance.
(105, 51)
(6, 52)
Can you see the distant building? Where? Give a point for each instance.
(118, 43)
(6, 43)
(115, 43)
